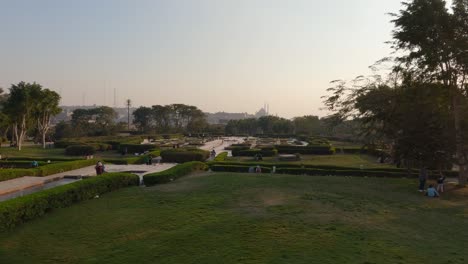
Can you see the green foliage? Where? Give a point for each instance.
(284, 167)
(136, 148)
(7, 174)
(237, 168)
(63, 166)
(315, 150)
(80, 150)
(181, 155)
(173, 173)
(169, 118)
(16, 211)
(254, 152)
(221, 156)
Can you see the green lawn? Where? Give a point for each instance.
(242, 218)
(345, 160)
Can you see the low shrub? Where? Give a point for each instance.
(181, 155)
(66, 143)
(310, 150)
(80, 150)
(254, 152)
(173, 173)
(136, 148)
(21, 164)
(237, 168)
(221, 156)
(19, 210)
(237, 147)
(63, 166)
(320, 172)
(8, 174)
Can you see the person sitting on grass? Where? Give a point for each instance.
(432, 192)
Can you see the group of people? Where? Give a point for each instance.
(431, 191)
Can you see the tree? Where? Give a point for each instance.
(142, 118)
(47, 106)
(434, 46)
(307, 125)
(20, 107)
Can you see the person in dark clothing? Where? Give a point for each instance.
(440, 183)
(422, 178)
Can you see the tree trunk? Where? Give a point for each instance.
(44, 132)
(460, 150)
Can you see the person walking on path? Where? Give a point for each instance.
(440, 183)
(422, 179)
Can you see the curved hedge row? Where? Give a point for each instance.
(283, 167)
(311, 150)
(237, 168)
(184, 155)
(254, 152)
(173, 173)
(79, 150)
(7, 174)
(19, 210)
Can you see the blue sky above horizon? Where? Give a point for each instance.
(218, 55)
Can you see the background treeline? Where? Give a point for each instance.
(99, 121)
(174, 118)
(26, 111)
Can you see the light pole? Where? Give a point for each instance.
(129, 103)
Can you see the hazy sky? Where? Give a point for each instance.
(220, 55)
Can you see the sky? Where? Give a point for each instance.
(219, 55)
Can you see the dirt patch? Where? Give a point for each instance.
(256, 201)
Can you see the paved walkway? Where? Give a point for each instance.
(219, 144)
(19, 184)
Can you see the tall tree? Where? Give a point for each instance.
(142, 118)
(47, 106)
(20, 107)
(434, 43)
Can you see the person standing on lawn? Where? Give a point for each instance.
(422, 178)
(440, 183)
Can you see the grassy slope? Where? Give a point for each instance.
(240, 218)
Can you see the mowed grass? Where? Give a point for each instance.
(344, 160)
(242, 218)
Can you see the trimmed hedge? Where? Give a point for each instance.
(237, 168)
(332, 169)
(7, 174)
(181, 155)
(320, 172)
(16, 211)
(221, 156)
(21, 164)
(80, 150)
(254, 152)
(311, 150)
(136, 148)
(173, 173)
(63, 166)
